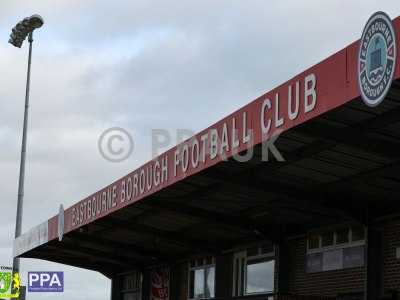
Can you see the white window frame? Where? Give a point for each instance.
(202, 267)
(240, 289)
(335, 245)
(238, 285)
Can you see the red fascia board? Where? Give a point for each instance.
(336, 84)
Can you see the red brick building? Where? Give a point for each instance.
(220, 216)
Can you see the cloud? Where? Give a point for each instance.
(141, 65)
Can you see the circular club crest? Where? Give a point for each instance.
(376, 58)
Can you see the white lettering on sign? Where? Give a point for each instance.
(45, 279)
(55, 280)
(278, 111)
(309, 92)
(33, 277)
(293, 112)
(214, 143)
(131, 187)
(274, 111)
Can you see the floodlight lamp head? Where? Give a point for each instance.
(24, 28)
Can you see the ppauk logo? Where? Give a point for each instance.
(46, 282)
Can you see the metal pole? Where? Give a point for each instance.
(18, 222)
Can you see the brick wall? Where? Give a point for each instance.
(391, 271)
(329, 283)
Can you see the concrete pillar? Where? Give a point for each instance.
(146, 286)
(223, 276)
(179, 281)
(282, 274)
(116, 288)
(374, 263)
(22, 293)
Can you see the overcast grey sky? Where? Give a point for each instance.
(140, 65)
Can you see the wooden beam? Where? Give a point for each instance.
(106, 269)
(95, 254)
(168, 236)
(353, 137)
(117, 246)
(290, 196)
(230, 221)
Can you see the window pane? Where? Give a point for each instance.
(131, 296)
(210, 280)
(199, 283)
(260, 277)
(327, 239)
(358, 234)
(313, 242)
(342, 236)
(132, 281)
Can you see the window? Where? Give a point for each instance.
(313, 242)
(340, 248)
(327, 239)
(357, 234)
(342, 237)
(254, 271)
(260, 276)
(202, 278)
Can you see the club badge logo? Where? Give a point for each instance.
(376, 59)
(9, 283)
